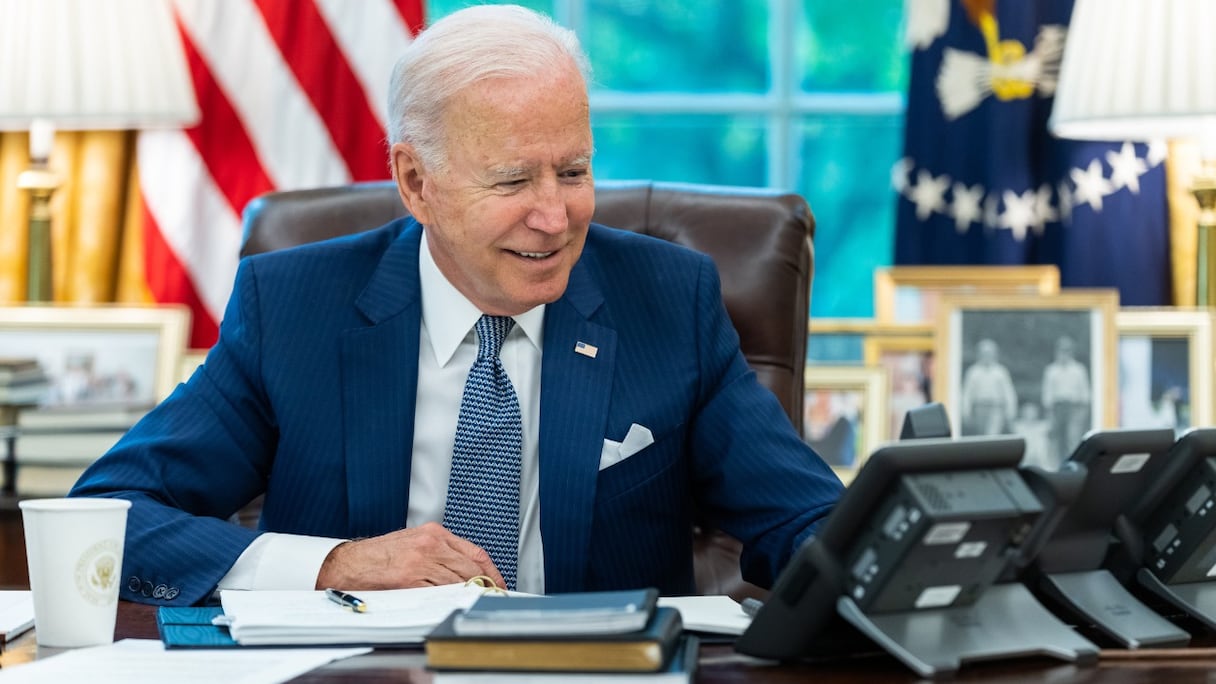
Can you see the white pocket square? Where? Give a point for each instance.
(638, 438)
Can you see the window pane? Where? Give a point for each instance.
(438, 8)
(724, 150)
(678, 45)
(846, 169)
(851, 46)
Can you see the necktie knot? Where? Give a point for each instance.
(491, 331)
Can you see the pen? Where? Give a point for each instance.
(751, 606)
(346, 600)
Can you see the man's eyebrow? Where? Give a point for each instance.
(583, 159)
(513, 171)
(517, 170)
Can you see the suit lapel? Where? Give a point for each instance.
(379, 387)
(575, 390)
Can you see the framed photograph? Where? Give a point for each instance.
(908, 360)
(98, 357)
(191, 360)
(910, 294)
(1042, 367)
(1165, 368)
(842, 341)
(845, 414)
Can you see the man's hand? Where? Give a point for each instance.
(420, 556)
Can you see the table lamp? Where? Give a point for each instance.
(1140, 70)
(84, 65)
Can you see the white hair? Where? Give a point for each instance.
(466, 47)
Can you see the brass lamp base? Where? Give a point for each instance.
(41, 183)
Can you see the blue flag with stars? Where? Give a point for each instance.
(982, 181)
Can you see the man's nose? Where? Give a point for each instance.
(548, 212)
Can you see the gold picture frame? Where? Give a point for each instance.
(102, 368)
(100, 354)
(843, 341)
(908, 361)
(1042, 367)
(1165, 367)
(844, 414)
(191, 360)
(910, 294)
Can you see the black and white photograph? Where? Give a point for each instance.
(1163, 355)
(1038, 367)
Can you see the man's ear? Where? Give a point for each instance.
(411, 176)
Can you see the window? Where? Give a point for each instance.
(800, 94)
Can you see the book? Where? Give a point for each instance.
(597, 612)
(27, 393)
(11, 367)
(23, 376)
(77, 418)
(680, 669)
(192, 627)
(646, 650)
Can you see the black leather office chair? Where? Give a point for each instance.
(760, 240)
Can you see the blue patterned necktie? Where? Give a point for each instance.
(483, 490)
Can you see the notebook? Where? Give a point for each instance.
(307, 618)
(681, 668)
(644, 650)
(600, 612)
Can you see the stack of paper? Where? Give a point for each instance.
(644, 650)
(399, 616)
(136, 661)
(573, 634)
(709, 614)
(16, 614)
(680, 669)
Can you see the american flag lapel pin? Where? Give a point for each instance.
(588, 350)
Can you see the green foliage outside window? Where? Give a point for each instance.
(798, 94)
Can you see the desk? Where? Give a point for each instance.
(720, 665)
(13, 567)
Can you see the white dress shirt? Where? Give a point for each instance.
(446, 351)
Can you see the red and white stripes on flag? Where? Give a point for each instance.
(293, 94)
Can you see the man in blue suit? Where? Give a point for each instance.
(337, 387)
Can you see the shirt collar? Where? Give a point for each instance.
(449, 316)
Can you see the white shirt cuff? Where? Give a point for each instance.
(279, 561)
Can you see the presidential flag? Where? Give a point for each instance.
(982, 181)
(293, 94)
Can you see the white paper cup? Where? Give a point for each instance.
(74, 547)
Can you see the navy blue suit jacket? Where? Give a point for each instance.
(309, 397)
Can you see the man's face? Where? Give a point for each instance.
(507, 219)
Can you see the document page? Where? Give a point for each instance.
(16, 613)
(710, 614)
(136, 661)
(398, 616)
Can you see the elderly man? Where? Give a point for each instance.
(989, 402)
(490, 387)
(1066, 397)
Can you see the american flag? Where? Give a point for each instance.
(293, 94)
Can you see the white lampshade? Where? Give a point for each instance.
(92, 64)
(1138, 70)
